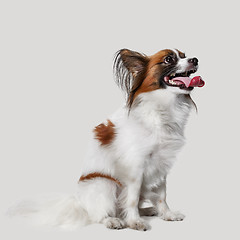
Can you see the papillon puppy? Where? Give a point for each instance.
(124, 173)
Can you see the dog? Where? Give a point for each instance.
(124, 173)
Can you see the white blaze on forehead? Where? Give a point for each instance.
(176, 52)
(183, 64)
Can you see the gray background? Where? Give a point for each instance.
(56, 85)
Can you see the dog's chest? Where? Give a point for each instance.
(166, 137)
(161, 157)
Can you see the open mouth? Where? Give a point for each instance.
(183, 80)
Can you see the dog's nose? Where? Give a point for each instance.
(194, 61)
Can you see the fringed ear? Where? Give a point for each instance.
(130, 69)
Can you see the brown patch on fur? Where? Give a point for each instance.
(105, 133)
(99, 175)
(149, 84)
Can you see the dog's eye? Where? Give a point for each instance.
(169, 59)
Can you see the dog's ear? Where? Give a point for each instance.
(134, 62)
(130, 68)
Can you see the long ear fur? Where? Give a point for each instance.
(130, 69)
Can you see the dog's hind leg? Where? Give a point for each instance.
(98, 198)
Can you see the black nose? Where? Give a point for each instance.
(194, 61)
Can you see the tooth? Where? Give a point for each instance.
(172, 82)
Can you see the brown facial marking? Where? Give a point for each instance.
(159, 57)
(149, 84)
(99, 175)
(181, 54)
(105, 133)
(154, 70)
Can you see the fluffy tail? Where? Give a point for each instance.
(62, 211)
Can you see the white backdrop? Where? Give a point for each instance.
(56, 84)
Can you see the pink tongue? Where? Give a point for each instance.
(194, 82)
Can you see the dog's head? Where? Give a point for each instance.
(168, 69)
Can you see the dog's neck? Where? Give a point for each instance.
(161, 108)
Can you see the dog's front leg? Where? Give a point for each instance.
(130, 204)
(163, 210)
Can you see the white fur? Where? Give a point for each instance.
(140, 157)
(183, 63)
(143, 151)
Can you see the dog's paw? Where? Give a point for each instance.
(139, 224)
(114, 223)
(172, 216)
